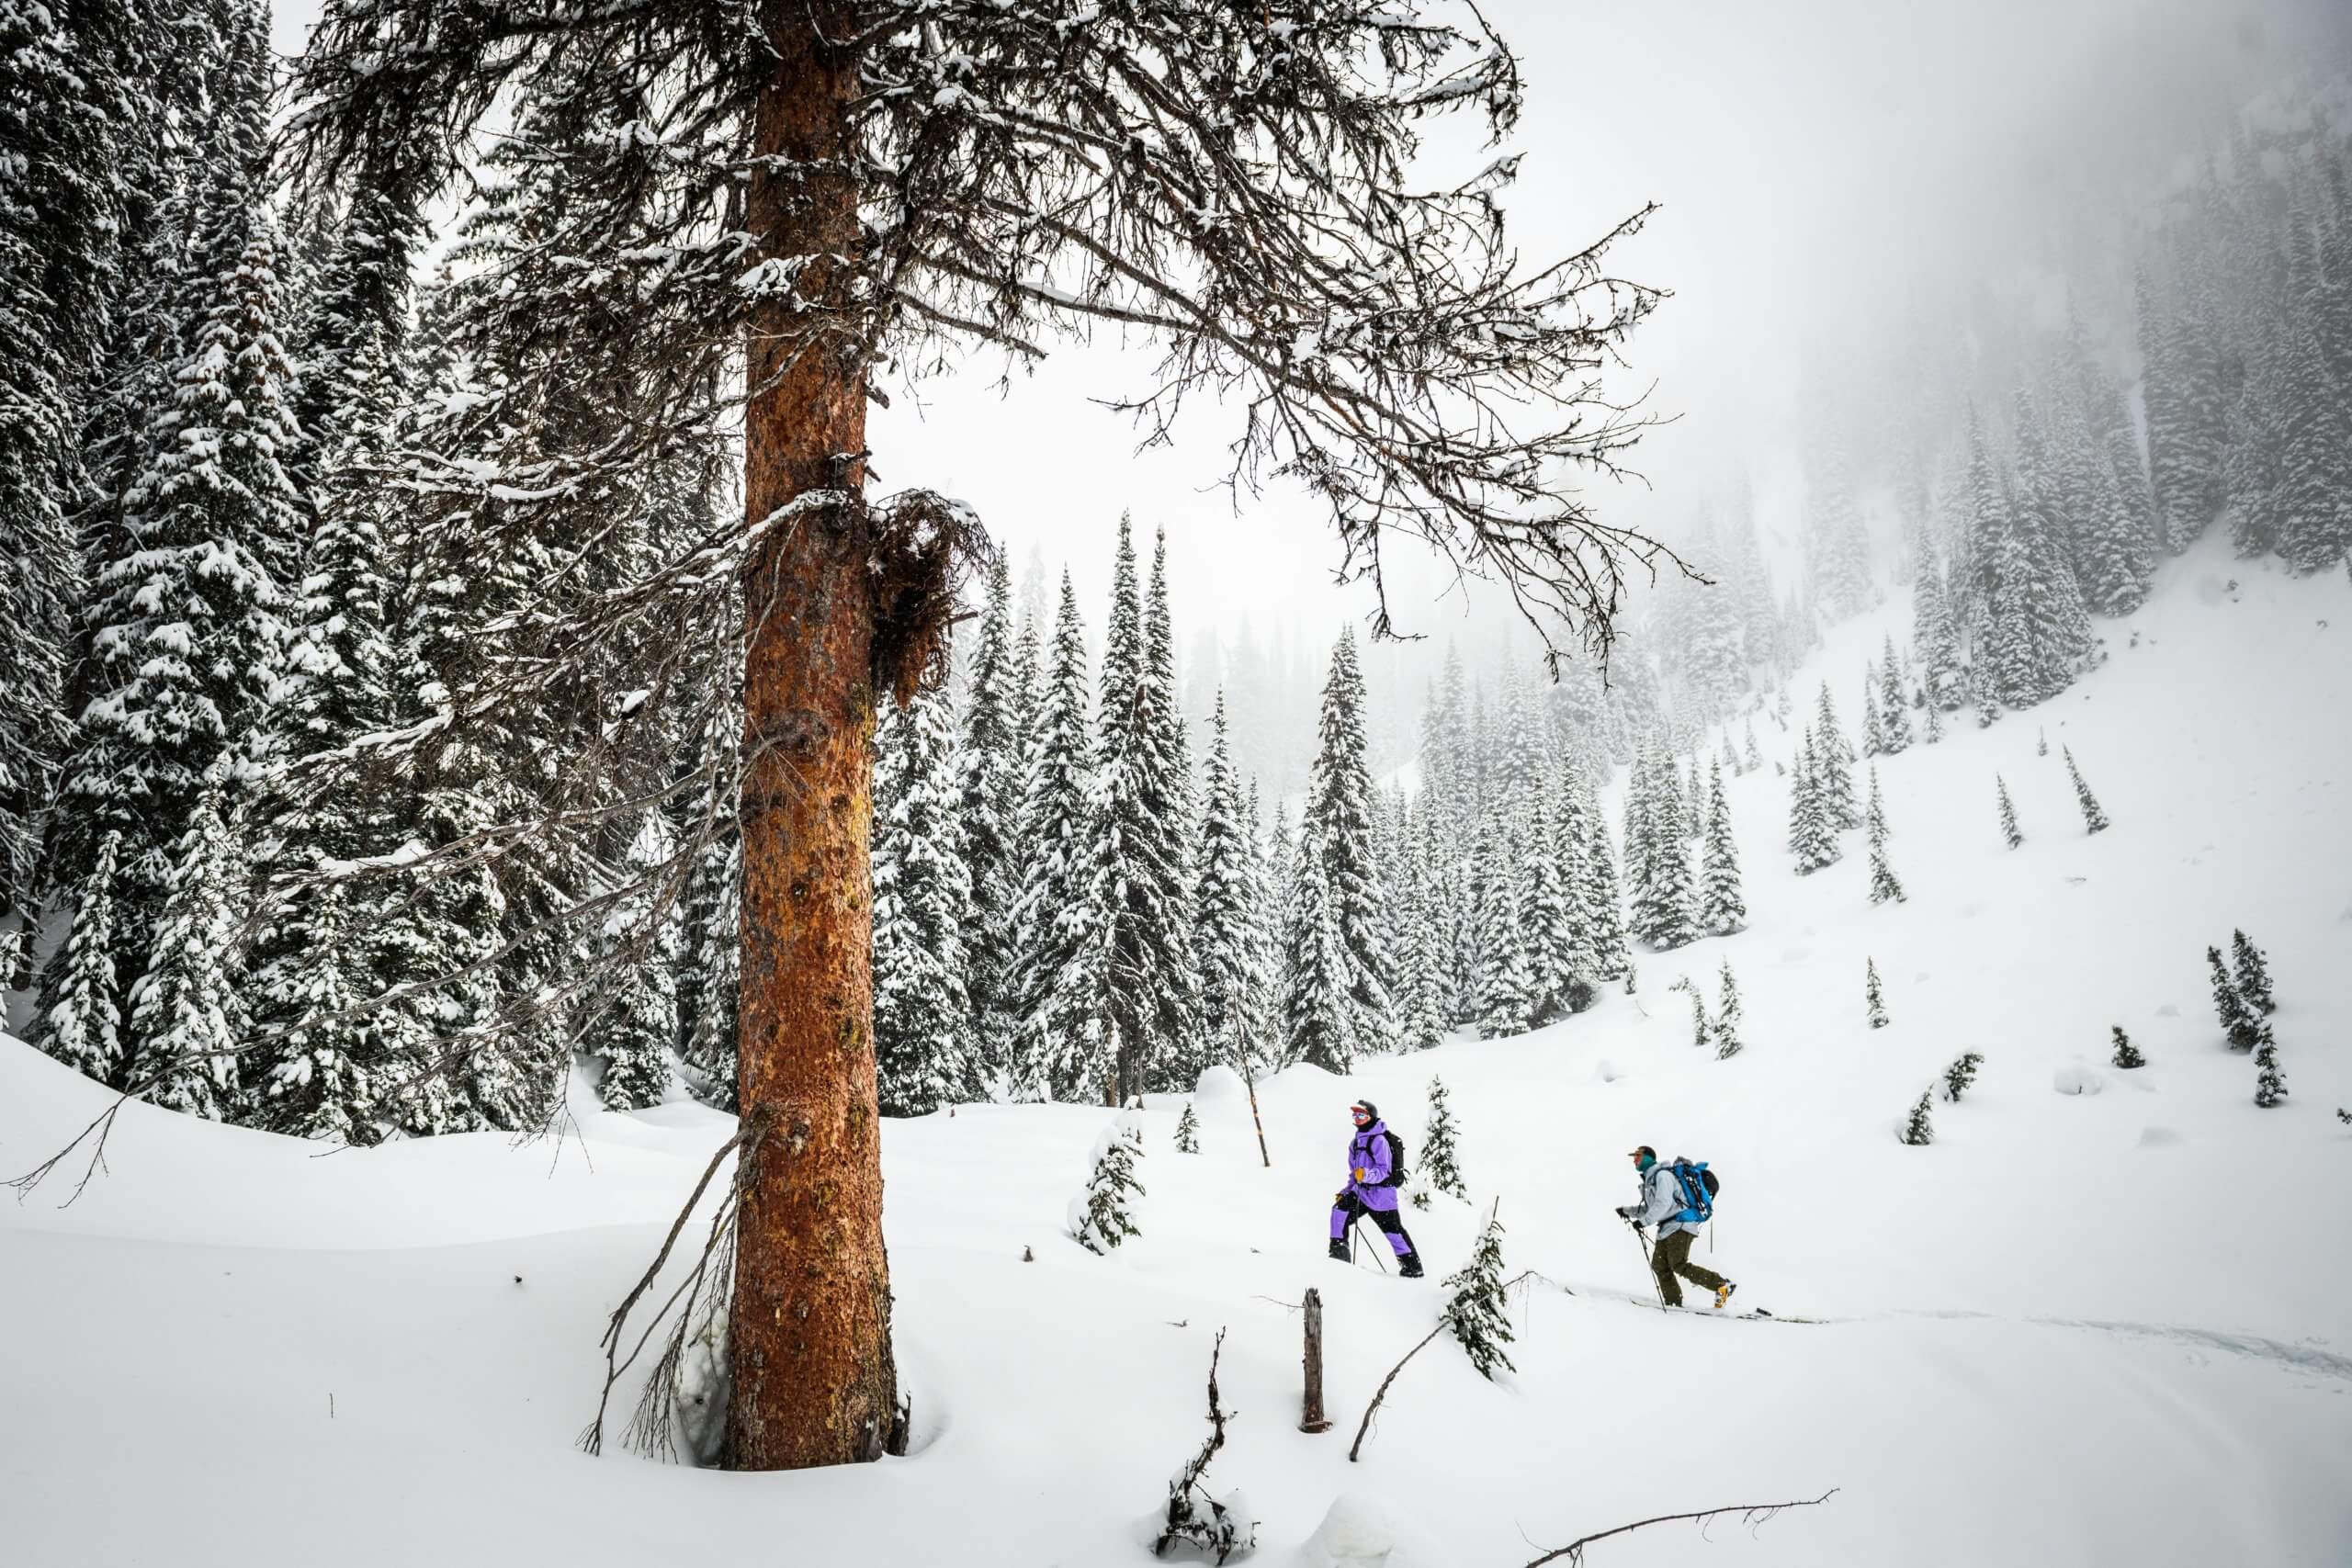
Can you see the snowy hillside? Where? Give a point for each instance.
(2078, 1328)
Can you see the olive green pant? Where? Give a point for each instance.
(1671, 1256)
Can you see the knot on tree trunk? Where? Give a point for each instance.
(925, 547)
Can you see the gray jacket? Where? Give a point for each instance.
(1662, 1199)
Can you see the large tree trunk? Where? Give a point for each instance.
(813, 1382)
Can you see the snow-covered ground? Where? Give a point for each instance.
(2077, 1329)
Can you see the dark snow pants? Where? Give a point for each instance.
(1671, 1256)
(1344, 1212)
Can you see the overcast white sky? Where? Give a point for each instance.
(1828, 168)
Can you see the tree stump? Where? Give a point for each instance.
(1310, 1417)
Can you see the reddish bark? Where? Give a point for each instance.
(813, 1379)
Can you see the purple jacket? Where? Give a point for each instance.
(1368, 1152)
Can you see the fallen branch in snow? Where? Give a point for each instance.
(649, 1427)
(24, 1184)
(1219, 1529)
(1445, 1321)
(1750, 1513)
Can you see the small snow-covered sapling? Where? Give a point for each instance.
(2127, 1054)
(1873, 996)
(1920, 1128)
(2010, 833)
(2237, 1019)
(1961, 1074)
(2254, 975)
(2093, 819)
(1188, 1132)
(1729, 1016)
(1099, 1220)
(1474, 1304)
(2269, 1083)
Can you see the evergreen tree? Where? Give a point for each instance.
(1188, 1132)
(1319, 1021)
(2269, 1083)
(2311, 501)
(1338, 831)
(188, 1012)
(82, 1025)
(2183, 399)
(1059, 1048)
(185, 618)
(1961, 1074)
(2238, 1021)
(1439, 1161)
(1728, 1018)
(1693, 824)
(2127, 1056)
(923, 1045)
(1500, 981)
(1699, 1031)
(2010, 833)
(1721, 909)
(1920, 1130)
(1548, 935)
(1099, 1219)
(1663, 915)
(1812, 836)
(1474, 1304)
(989, 812)
(1601, 910)
(1894, 717)
(1873, 741)
(73, 144)
(1873, 995)
(1936, 635)
(1752, 759)
(325, 1078)
(1138, 905)
(2093, 818)
(1834, 775)
(2253, 976)
(1934, 728)
(1884, 884)
(1223, 897)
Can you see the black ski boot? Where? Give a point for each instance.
(1410, 1265)
(1339, 1250)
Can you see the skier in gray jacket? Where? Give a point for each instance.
(1678, 1225)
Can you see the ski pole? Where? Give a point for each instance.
(1650, 1267)
(1355, 1228)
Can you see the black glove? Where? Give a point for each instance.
(1625, 1211)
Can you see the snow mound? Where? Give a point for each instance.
(1358, 1531)
(2075, 1078)
(1219, 1083)
(2159, 1138)
(1606, 1071)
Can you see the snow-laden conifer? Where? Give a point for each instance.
(1337, 830)
(1722, 908)
(1318, 1017)
(188, 1012)
(2238, 1021)
(1500, 980)
(1056, 1046)
(923, 1048)
(990, 810)
(2127, 1056)
(1700, 1030)
(1099, 1216)
(2093, 819)
(1961, 1074)
(1437, 1166)
(1833, 767)
(2269, 1083)
(2010, 833)
(637, 1031)
(1813, 836)
(1920, 1128)
(1475, 1305)
(83, 1024)
(1225, 944)
(1188, 1132)
(326, 1077)
(1884, 884)
(1729, 1017)
(1873, 995)
(2253, 974)
(1895, 707)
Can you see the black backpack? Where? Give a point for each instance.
(1395, 1159)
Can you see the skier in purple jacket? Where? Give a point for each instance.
(1372, 1180)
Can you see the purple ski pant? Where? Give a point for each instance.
(1344, 1211)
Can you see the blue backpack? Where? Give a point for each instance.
(1699, 1189)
